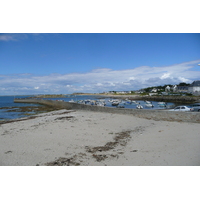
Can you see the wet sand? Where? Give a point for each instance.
(84, 138)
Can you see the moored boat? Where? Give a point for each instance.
(148, 102)
(120, 106)
(115, 103)
(162, 104)
(149, 105)
(139, 106)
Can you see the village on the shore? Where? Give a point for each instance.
(180, 89)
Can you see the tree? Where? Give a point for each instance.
(183, 84)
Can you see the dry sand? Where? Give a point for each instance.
(98, 139)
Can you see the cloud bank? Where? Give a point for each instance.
(13, 37)
(99, 80)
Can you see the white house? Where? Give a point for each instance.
(174, 88)
(167, 89)
(154, 90)
(194, 87)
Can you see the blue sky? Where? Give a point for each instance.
(96, 62)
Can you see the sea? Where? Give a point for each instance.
(9, 109)
(7, 105)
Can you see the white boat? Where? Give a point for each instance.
(135, 102)
(115, 103)
(71, 101)
(100, 103)
(139, 107)
(149, 105)
(129, 101)
(81, 102)
(87, 101)
(163, 104)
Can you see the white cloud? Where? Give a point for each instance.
(7, 38)
(17, 36)
(99, 84)
(182, 79)
(131, 78)
(166, 75)
(101, 79)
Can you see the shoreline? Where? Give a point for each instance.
(25, 111)
(178, 99)
(86, 138)
(30, 110)
(141, 113)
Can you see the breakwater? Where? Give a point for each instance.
(148, 114)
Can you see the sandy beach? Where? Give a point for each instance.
(85, 138)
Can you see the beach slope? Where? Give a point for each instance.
(85, 138)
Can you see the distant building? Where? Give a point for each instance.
(167, 89)
(174, 88)
(153, 94)
(154, 90)
(182, 89)
(194, 88)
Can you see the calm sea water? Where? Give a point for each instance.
(7, 102)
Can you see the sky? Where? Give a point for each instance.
(66, 63)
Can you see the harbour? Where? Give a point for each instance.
(11, 109)
(156, 114)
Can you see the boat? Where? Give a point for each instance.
(93, 102)
(139, 107)
(81, 101)
(149, 105)
(129, 101)
(148, 102)
(115, 103)
(135, 102)
(87, 101)
(162, 104)
(71, 101)
(100, 103)
(120, 106)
